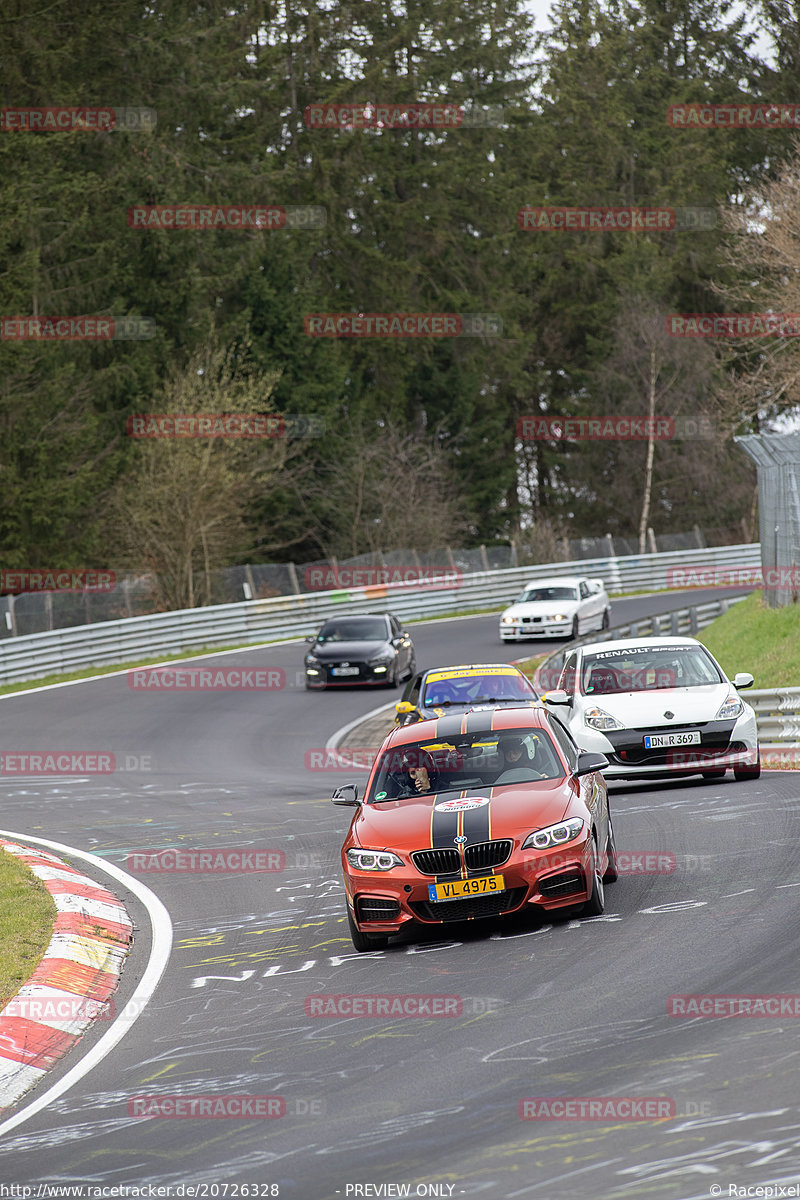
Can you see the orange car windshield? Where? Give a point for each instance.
(519, 756)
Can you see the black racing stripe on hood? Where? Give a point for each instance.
(476, 824)
(444, 828)
(480, 722)
(450, 726)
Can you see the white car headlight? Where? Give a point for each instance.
(733, 707)
(554, 835)
(559, 617)
(598, 718)
(508, 620)
(373, 860)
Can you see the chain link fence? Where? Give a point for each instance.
(777, 459)
(136, 594)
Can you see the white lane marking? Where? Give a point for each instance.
(335, 738)
(173, 662)
(48, 687)
(159, 957)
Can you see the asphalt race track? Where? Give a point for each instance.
(572, 1009)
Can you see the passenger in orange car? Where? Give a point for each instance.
(515, 753)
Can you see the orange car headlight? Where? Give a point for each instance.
(554, 835)
(373, 860)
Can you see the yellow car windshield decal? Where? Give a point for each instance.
(438, 676)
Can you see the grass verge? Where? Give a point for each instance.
(27, 913)
(764, 641)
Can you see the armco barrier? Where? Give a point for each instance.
(287, 617)
(778, 715)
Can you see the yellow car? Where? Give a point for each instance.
(443, 690)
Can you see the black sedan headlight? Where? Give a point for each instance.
(381, 661)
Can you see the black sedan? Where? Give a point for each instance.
(372, 649)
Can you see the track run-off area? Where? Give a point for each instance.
(376, 1105)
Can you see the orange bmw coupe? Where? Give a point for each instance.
(476, 816)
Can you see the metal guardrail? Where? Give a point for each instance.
(778, 715)
(282, 618)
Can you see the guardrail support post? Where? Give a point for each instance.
(693, 624)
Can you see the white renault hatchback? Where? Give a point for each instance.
(657, 707)
(557, 608)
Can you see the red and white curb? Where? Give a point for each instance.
(72, 984)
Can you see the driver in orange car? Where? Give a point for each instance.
(421, 774)
(514, 753)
